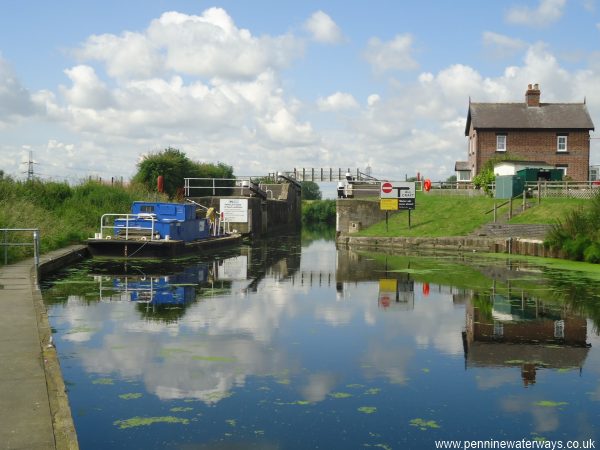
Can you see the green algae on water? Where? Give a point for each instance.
(103, 381)
(130, 396)
(213, 359)
(340, 395)
(367, 409)
(181, 409)
(372, 391)
(145, 421)
(170, 351)
(81, 329)
(424, 424)
(550, 404)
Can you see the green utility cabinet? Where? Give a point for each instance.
(534, 175)
(508, 186)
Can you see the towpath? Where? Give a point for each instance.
(34, 410)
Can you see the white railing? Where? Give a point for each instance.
(127, 228)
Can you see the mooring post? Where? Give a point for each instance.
(510, 208)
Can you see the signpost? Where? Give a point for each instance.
(397, 195)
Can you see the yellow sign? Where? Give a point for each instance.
(388, 204)
(388, 285)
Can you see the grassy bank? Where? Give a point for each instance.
(64, 214)
(549, 210)
(439, 216)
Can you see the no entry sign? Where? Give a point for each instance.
(397, 189)
(386, 187)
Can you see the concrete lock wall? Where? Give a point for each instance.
(280, 212)
(353, 215)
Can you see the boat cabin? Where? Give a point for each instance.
(159, 220)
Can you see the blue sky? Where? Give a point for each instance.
(90, 87)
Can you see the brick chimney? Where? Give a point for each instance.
(532, 96)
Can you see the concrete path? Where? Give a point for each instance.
(32, 395)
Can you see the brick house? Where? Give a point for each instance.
(555, 133)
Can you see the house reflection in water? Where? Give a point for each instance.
(504, 330)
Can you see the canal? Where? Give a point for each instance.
(292, 344)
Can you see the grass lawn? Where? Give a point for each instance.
(549, 210)
(438, 216)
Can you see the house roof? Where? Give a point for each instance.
(461, 165)
(563, 116)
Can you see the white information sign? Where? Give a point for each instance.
(397, 189)
(234, 209)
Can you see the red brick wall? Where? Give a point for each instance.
(534, 145)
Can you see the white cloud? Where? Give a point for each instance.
(546, 13)
(323, 29)
(209, 45)
(282, 127)
(337, 102)
(113, 107)
(87, 90)
(392, 55)
(501, 45)
(15, 100)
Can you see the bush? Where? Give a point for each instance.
(318, 211)
(577, 233)
(175, 166)
(64, 214)
(592, 253)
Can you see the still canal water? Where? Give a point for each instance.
(292, 344)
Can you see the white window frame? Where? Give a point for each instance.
(564, 169)
(464, 175)
(562, 143)
(501, 138)
(559, 329)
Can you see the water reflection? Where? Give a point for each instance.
(290, 345)
(521, 331)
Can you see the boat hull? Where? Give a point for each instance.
(122, 248)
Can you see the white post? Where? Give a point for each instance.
(36, 256)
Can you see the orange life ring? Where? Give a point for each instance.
(427, 185)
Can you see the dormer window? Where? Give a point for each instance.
(561, 143)
(501, 142)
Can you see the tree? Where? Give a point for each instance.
(310, 191)
(174, 166)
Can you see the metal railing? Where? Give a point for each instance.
(35, 243)
(127, 228)
(244, 185)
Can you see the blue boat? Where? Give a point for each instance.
(159, 229)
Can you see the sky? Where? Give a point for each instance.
(90, 88)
